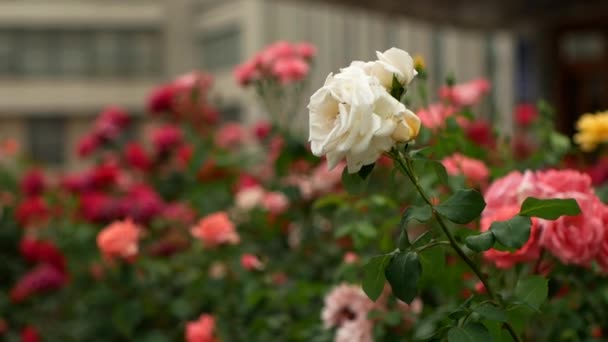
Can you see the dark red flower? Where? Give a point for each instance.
(33, 183)
(30, 334)
(262, 129)
(136, 157)
(104, 175)
(166, 138)
(161, 99)
(43, 278)
(87, 145)
(38, 251)
(31, 211)
(100, 207)
(480, 132)
(142, 204)
(525, 114)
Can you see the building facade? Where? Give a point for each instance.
(61, 62)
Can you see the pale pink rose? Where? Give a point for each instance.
(350, 257)
(530, 251)
(276, 51)
(230, 135)
(216, 229)
(306, 50)
(473, 169)
(325, 180)
(217, 270)
(201, 330)
(275, 202)
(346, 308)
(249, 198)
(355, 331)
(246, 73)
(435, 115)
(119, 240)
(290, 70)
(251, 262)
(576, 239)
(560, 181)
(465, 94)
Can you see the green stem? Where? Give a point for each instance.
(408, 169)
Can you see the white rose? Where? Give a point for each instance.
(353, 117)
(393, 62)
(249, 198)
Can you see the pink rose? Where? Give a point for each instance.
(474, 170)
(201, 330)
(528, 252)
(435, 115)
(275, 202)
(465, 94)
(216, 229)
(249, 198)
(250, 262)
(230, 135)
(119, 240)
(306, 50)
(290, 70)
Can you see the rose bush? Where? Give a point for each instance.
(207, 230)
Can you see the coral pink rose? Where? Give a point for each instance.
(251, 262)
(216, 229)
(201, 330)
(530, 251)
(474, 170)
(465, 94)
(275, 202)
(119, 240)
(435, 115)
(512, 190)
(576, 239)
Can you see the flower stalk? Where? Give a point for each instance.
(405, 165)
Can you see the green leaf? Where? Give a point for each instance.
(441, 172)
(404, 241)
(480, 242)
(532, 290)
(513, 233)
(424, 164)
(491, 312)
(366, 170)
(353, 183)
(472, 332)
(402, 273)
(432, 259)
(463, 207)
(373, 276)
(549, 209)
(397, 89)
(420, 214)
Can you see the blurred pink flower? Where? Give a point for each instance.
(350, 257)
(528, 252)
(346, 308)
(251, 262)
(166, 138)
(180, 213)
(201, 330)
(473, 169)
(435, 115)
(87, 145)
(119, 240)
(216, 229)
(246, 73)
(230, 135)
(275, 202)
(465, 94)
(290, 70)
(306, 50)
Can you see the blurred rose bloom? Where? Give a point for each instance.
(473, 169)
(216, 229)
(465, 94)
(250, 262)
(119, 240)
(346, 308)
(201, 330)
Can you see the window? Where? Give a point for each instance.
(221, 49)
(65, 53)
(46, 140)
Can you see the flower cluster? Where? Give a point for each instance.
(107, 128)
(576, 240)
(354, 116)
(282, 61)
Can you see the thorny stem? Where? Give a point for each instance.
(406, 166)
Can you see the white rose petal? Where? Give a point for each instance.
(353, 117)
(393, 62)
